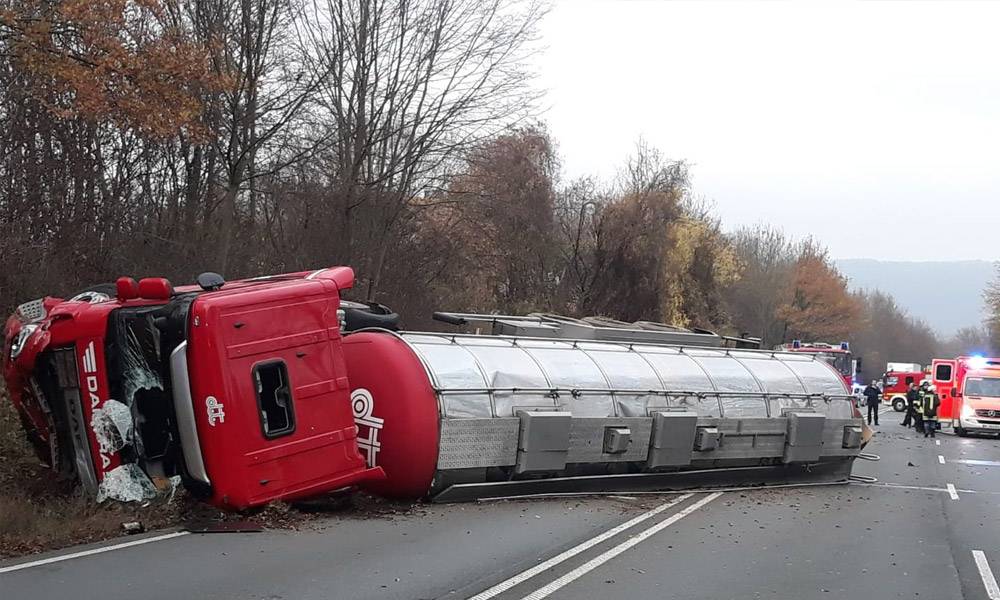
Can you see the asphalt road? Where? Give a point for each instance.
(907, 536)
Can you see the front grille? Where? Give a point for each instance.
(989, 414)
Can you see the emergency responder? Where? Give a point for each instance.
(929, 403)
(918, 411)
(912, 395)
(872, 394)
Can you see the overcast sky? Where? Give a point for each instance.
(874, 127)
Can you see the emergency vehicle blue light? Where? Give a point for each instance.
(978, 362)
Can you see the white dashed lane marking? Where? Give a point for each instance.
(940, 459)
(952, 491)
(523, 576)
(989, 581)
(548, 590)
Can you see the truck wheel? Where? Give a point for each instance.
(898, 404)
(961, 432)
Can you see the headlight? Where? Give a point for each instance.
(22, 339)
(968, 412)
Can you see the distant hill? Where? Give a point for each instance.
(947, 295)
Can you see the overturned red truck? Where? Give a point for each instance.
(273, 388)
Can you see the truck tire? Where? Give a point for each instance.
(961, 432)
(898, 404)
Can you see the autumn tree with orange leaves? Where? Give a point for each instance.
(132, 62)
(817, 305)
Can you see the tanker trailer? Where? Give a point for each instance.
(548, 404)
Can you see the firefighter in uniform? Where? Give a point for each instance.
(929, 403)
(912, 395)
(918, 411)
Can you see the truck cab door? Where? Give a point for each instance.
(944, 378)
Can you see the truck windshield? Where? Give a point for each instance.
(840, 361)
(136, 373)
(983, 386)
(138, 349)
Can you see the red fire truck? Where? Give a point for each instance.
(839, 357)
(969, 387)
(273, 388)
(896, 381)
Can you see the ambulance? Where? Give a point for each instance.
(969, 387)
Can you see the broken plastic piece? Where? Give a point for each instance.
(126, 483)
(113, 426)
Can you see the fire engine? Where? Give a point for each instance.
(274, 388)
(839, 357)
(969, 388)
(896, 381)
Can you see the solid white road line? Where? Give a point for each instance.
(505, 585)
(600, 559)
(952, 491)
(900, 486)
(989, 581)
(940, 459)
(92, 551)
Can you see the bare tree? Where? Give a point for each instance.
(616, 240)
(412, 85)
(767, 259)
(885, 333)
(991, 295)
(969, 340)
(255, 117)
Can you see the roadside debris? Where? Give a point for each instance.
(133, 527)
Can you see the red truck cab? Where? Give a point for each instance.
(896, 383)
(839, 357)
(969, 388)
(237, 389)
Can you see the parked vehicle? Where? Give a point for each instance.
(858, 391)
(896, 381)
(839, 357)
(273, 388)
(969, 387)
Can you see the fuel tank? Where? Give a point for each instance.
(460, 416)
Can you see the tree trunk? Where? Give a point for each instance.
(227, 221)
